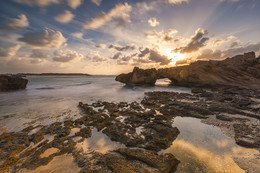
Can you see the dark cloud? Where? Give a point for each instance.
(98, 59)
(143, 52)
(9, 51)
(47, 38)
(210, 54)
(197, 41)
(157, 57)
(66, 55)
(235, 44)
(95, 57)
(38, 53)
(101, 46)
(116, 56)
(128, 57)
(121, 48)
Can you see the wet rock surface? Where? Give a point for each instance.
(12, 83)
(143, 128)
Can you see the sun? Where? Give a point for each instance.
(175, 57)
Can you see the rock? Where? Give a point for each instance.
(198, 90)
(239, 70)
(12, 83)
(139, 77)
(224, 118)
(164, 162)
(120, 165)
(84, 132)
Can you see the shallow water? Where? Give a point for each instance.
(203, 148)
(54, 98)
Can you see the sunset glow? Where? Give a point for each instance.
(111, 37)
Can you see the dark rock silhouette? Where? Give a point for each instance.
(12, 83)
(238, 70)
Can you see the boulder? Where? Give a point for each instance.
(139, 77)
(12, 83)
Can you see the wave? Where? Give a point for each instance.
(62, 86)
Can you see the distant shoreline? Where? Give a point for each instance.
(49, 74)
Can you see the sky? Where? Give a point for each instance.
(112, 36)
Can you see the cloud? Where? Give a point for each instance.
(74, 3)
(162, 36)
(176, 1)
(78, 35)
(66, 55)
(144, 6)
(240, 50)
(153, 22)
(155, 56)
(120, 14)
(65, 17)
(121, 48)
(125, 60)
(116, 56)
(144, 52)
(18, 23)
(8, 52)
(46, 38)
(219, 42)
(196, 42)
(235, 44)
(40, 3)
(182, 62)
(97, 2)
(38, 53)
(95, 57)
(229, 0)
(101, 46)
(207, 54)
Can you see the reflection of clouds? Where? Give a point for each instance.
(98, 142)
(222, 143)
(202, 158)
(102, 147)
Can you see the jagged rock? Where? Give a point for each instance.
(139, 77)
(239, 70)
(164, 162)
(12, 83)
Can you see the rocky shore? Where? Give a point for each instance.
(240, 70)
(142, 130)
(139, 131)
(12, 83)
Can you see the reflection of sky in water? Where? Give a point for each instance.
(98, 142)
(203, 148)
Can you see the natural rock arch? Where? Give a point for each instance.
(239, 70)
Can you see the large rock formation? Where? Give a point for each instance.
(139, 77)
(12, 83)
(238, 70)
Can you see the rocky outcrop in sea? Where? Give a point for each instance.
(242, 70)
(12, 83)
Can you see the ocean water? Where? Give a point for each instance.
(54, 98)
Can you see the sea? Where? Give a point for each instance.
(47, 99)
